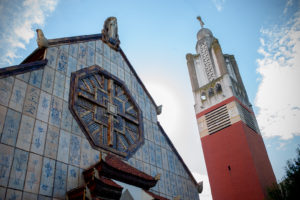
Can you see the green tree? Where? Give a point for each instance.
(289, 188)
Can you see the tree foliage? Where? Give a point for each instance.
(289, 188)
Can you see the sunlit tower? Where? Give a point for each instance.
(236, 158)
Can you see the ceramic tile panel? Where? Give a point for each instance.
(59, 83)
(72, 65)
(95, 156)
(145, 151)
(18, 170)
(138, 154)
(82, 53)
(32, 181)
(55, 111)
(67, 89)
(3, 111)
(31, 101)
(36, 78)
(156, 134)
(6, 159)
(121, 73)
(139, 165)
(80, 65)
(74, 157)
(73, 50)
(152, 153)
(150, 131)
(158, 156)
(171, 161)
(18, 95)
(6, 85)
(62, 62)
(48, 79)
(25, 132)
(13, 194)
(63, 147)
(114, 57)
(90, 56)
(161, 184)
(127, 80)
(29, 196)
(131, 161)
(11, 127)
(73, 177)
(146, 168)
(99, 59)
(164, 159)
(66, 121)
(65, 48)
(106, 64)
(51, 144)
(47, 178)
(85, 159)
(2, 193)
(24, 77)
(52, 56)
(126, 67)
(80, 177)
(99, 47)
(41, 197)
(106, 51)
(44, 106)
(75, 128)
(39, 137)
(60, 181)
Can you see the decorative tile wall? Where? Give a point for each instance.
(43, 150)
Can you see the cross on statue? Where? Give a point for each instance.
(201, 22)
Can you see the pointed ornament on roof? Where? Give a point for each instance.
(110, 32)
(41, 40)
(201, 22)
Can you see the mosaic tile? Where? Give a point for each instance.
(29, 196)
(90, 56)
(99, 47)
(150, 131)
(36, 78)
(67, 89)
(47, 178)
(72, 65)
(62, 62)
(63, 147)
(18, 95)
(73, 177)
(6, 85)
(171, 161)
(60, 181)
(152, 153)
(138, 154)
(98, 59)
(55, 111)
(59, 83)
(161, 184)
(85, 159)
(139, 165)
(146, 157)
(74, 158)
(11, 127)
(13, 195)
(44, 106)
(126, 67)
(127, 79)
(158, 156)
(48, 79)
(6, 158)
(80, 65)
(73, 50)
(31, 101)
(32, 181)
(24, 77)
(106, 51)
(38, 138)
(146, 168)
(114, 57)
(18, 171)
(51, 142)
(82, 53)
(2, 118)
(25, 133)
(156, 134)
(52, 56)
(121, 74)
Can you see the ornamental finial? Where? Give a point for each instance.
(201, 22)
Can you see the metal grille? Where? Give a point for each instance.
(217, 119)
(248, 118)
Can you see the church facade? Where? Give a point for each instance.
(236, 159)
(77, 122)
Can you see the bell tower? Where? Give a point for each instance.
(236, 158)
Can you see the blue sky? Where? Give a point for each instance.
(156, 35)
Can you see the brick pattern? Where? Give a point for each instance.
(43, 151)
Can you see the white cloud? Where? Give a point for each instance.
(219, 4)
(289, 3)
(17, 20)
(206, 193)
(278, 96)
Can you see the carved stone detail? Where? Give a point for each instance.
(110, 32)
(208, 64)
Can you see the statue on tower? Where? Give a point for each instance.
(201, 22)
(110, 32)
